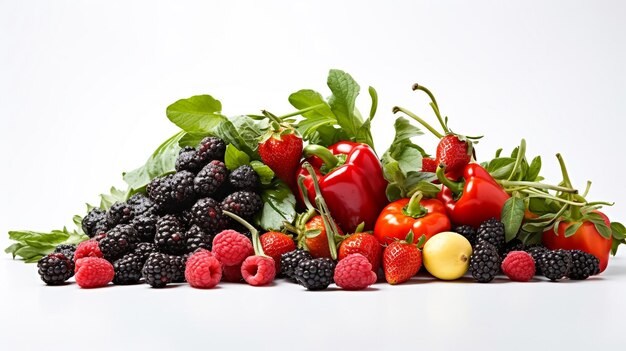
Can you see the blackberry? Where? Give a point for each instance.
(55, 269)
(315, 274)
(94, 222)
(485, 262)
(244, 178)
(178, 268)
(173, 191)
(555, 264)
(468, 232)
(119, 241)
(170, 235)
(145, 226)
(210, 149)
(491, 231)
(144, 250)
(128, 269)
(243, 203)
(513, 245)
(198, 239)
(185, 219)
(207, 214)
(67, 250)
(210, 178)
(289, 262)
(223, 191)
(119, 213)
(188, 160)
(158, 271)
(141, 204)
(584, 265)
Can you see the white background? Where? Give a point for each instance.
(83, 91)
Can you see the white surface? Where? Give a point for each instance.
(83, 90)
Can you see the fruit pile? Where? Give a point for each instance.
(305, 197)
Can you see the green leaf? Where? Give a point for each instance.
(342, 103)
(534, 169)
(618, 230)
(107, 200)
(197, 114)
(364, 134)
(427, 188)
(307, 98)
(264, 171)
(31, 245)
(572, 229)
(603, 229)
(279, 205)
(512, 217)
(234, 158)
(501, 168)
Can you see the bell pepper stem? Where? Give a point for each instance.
(455, 187)
(397, 109)
(414, 208)
(256, 240)
(323, 153)
(329, 223)
(433, 104)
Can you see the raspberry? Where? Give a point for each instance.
(519, 266)
(93, 272)
(354, 272)
(89, 248)
(232, 274)
(203, 270)
(258, 270)
(231, 247)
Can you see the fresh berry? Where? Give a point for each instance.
(188, 160)
(485, 262)
(513, 245)
(536, 251)
(197, 239)
(584, 265)
(145, 226)
(258, 270)
(118, 242)
(232, 274)
(289, 262)
(210, 178)
(185, 218)
(170, 236)
(318, 245)
(158, 271)
(128, 269)
(354, 272)
(95, 222)
(243, 203)
(173, 191)
(315, 274)
(178, 268)
(203, 270)
(492, 232)
(67, 249)
(468, 232)
(231, 248)
(518, 266)
(282, 151)
(401, 260)
(244, 178)
(275, 244)
(55, 268)
(141, 205)
(429, 165)
(207, 214)
(144, 250)
(364, 244)
(210, 149)
(119, 213)
(89, 248)
(555, 264)
(454, 153)
(93, 272)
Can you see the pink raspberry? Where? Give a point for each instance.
(93, 272)
(89, 248)
(231, 247)
(232, 274)
(354, 272)
(258, 270)
(203, 270)
(519, 266)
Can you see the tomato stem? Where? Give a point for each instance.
(397, 109)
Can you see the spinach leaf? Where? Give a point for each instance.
(512, 217)
(197, 114)
(279, 205)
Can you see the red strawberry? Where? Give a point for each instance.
(318, 245)
(454, 153)
(275, 244)
(281, 152)
(364, 244)
(429, 165)
(401, 260)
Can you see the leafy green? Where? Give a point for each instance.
(342, 102)
(235, 158)
(512, 217)
(197, 114)
(31, 246)
(264, 171)
(279, 205)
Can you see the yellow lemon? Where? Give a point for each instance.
(446, 255)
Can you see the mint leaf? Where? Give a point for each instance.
(197, 114)
(235, 158)
(279, 205)
(264, 171)
(512, 217)
(342, 102)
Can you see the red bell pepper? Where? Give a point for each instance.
(422, 216)
(351, 181)
(474, 199)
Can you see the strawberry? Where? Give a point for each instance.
(318, 245)
(429, 165)
(454, 153)
(362, 243)
(275, 244)
(401, 260)
(281, 151)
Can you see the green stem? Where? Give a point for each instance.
(414, 208)
(434, 105)
(521, 151)
(323, 153)
(329, 223)
(587, 189)
(455, 187)
(575, 211)
(538, 185)
(397, 109)
(547, 196)
(256, 241)
(305, 193)
(595, 203)
(271, 116)
(299, 112)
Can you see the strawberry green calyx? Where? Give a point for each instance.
(329, 224)
(256, 241)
